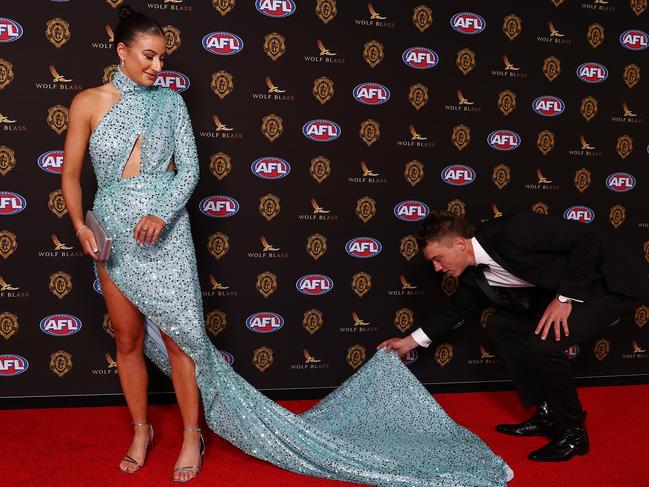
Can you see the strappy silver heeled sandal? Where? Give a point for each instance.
(195, 469)
(149, 446)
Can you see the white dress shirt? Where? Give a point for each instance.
(496, 276)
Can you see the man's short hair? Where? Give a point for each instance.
(440, 225)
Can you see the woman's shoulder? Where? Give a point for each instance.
(170, 95)
(92, 97)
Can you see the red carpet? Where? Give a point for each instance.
(82, 446)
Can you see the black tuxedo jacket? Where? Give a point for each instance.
(551, 253)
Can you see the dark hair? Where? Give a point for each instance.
(440, 225)
(132, 24)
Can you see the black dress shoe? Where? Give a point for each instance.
(540, 424)
(567, 444)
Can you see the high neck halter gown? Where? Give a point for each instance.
(381, 427)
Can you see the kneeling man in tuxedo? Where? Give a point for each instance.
(553, 283)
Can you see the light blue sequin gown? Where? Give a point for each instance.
(381, 427)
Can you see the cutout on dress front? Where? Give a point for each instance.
(132, 167)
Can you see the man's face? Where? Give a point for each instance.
(450, 255)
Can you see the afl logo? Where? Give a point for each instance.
(314, 284)
(11, 203)
(223, 43)
(581, 214)
(548, 106)
(173, 80)
(219, 206)
(270, 168)
(10, 30)
(458, 175)
(572, 351)
(635, 40)
(60, 325)
(264, 322)
(371, 93)
(51, 161)
(12, 364)
(504, 140)
(620, 182)
(275, 8)
(227, 356)
(410, 357)
(420, 58)
(97, 286)
(363, 247)
(321, 130)
(411, 211)
(592, 72)
(468, 23)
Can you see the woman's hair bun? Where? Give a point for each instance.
(124, 11)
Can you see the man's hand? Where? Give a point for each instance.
(555, 314)
(400, 345)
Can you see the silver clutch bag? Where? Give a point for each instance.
(104, 241)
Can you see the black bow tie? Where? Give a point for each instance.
(482, 267)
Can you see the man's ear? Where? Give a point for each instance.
(460, 243)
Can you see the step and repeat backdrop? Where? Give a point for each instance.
(326, 130)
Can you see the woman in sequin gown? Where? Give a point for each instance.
(381, 427)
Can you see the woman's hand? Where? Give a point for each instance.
(88, 242)
(148, 230)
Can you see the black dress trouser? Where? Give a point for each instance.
(541, 369)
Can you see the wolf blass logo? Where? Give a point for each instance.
(368, 177)
(595, 5)
(543, 183)
(325, 56)
(59, 82)
(486, 358)
(375, 19)
(416, 140)
(109, 369)
(9, 125)
(587, 151)
(510, 70)
(274, 93)
(219, 292)
(310, 362)
(7, 290)
(359, 326)
(406, 290)
(60, 249)
(628, 117)
(176, 6)
(318, 215)
(107, 44)
(222, 134)
(463, 105)
(268, 252)
(555, 37)
(639, 352)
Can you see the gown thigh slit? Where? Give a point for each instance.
(380, 427)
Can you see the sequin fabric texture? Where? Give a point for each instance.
(381, 427)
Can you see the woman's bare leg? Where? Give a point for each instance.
(184, 380)
(133, 376)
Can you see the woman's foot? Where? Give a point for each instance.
(136, 455)
(190, 460)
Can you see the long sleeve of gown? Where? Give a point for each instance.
(169, 203)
